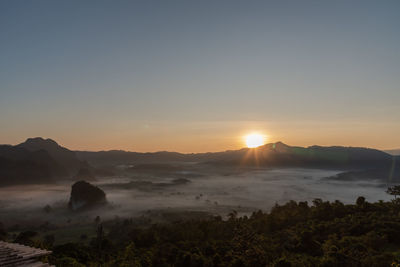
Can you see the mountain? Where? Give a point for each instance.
(65, 157)
(19, 166)
(270, 155)
(394, 152)
(43, 160)
(37, 160)
(355, 162)
(281, 155)
(120, 157)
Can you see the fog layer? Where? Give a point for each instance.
(213, 192)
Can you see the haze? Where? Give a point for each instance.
(197, 76)
(209, 192)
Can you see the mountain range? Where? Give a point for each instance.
(269, 155)
(394, 152)
(39, 160)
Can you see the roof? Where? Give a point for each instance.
(13, 254)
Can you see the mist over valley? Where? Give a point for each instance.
(151, 184)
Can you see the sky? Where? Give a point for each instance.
(196, 76)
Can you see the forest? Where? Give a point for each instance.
(320, 233)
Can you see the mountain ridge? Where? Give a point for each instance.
(264, 154)
(229, 150)
(39, 159)
(65, 157)
(394, 152)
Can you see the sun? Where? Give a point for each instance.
(254, 140)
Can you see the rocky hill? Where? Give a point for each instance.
(37, 160)
(85, 196)
(63, 156)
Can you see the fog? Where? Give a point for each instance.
(215, 192)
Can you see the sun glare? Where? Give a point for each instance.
(254, 140)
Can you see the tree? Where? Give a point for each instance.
(360, 201)
(3, 232)
(26, 238)
(49, 240)
(83, 237)
(47, 209)
(394, 190)
(100, 236)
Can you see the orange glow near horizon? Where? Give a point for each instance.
(213, 136)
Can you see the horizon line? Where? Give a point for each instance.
(217, 151)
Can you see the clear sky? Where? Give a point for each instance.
(196, 76)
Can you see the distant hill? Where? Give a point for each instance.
(19, 166)
(119, 157)
(273, 154)
(65, 157)
(37, 160)
(43, 160)
(281, 155)
(394, 152)
(355, 162)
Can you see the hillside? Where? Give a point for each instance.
(270, 155)
(20, 166)
(61, 155)
(43, 160)
(320, 233)
(37, 161)
(394, 152)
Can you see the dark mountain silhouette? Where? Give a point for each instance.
(358, 160)
(394, 152)
(274, 154)
(43, 160)
(116, 157)
(18, 165)
(62, 155)
(37, 161)
(84, 174)
(281, 155)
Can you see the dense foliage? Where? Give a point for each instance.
(294, 234)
